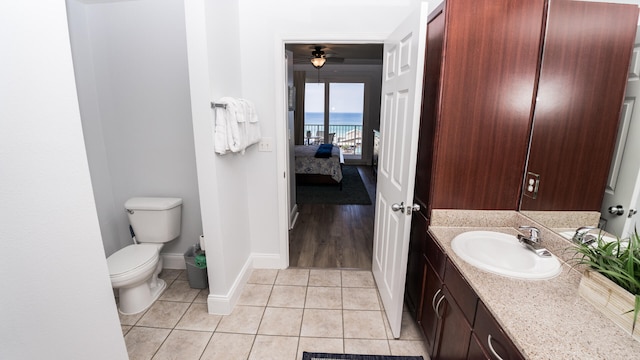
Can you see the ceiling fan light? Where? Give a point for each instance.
(318, 62)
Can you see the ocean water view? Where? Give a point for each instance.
(335, 118)
(346, 127)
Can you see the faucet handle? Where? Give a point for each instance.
(533, 231)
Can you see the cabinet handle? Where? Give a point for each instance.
(433, 301)
(438, 308)
(491, 348)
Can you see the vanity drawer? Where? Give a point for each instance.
(492, 338)
(460, 290)
(435, 255)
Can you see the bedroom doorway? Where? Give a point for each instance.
(340, 105)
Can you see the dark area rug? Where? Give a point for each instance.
(324, 356)
(353, 191)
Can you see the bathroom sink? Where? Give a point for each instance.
(502, 254)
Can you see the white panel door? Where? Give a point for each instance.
(623, 186)
(404, 53)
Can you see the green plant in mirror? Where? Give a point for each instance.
(618, 260)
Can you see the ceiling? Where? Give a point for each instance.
(356, 54)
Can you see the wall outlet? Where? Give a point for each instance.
(265, 144)
(531, 184)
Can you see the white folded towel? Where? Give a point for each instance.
(236, 126)
(250, 122)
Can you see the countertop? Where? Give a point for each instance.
(545, 319)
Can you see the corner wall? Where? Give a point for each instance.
(214, 71)
(132, 76)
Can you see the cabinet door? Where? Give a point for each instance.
(429, 113)
(488, 81)
(461, 290)
(476, 351)
(492, 338)
(584, 71)
(432, 306)
(453, 342)
(416, 263)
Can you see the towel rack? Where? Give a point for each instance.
(218, 105)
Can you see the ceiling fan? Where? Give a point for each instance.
(320, 56)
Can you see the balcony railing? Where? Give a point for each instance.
(348, 137)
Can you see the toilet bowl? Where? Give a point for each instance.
(134, 269)
(134, 272)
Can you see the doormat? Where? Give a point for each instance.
(325, 356)
(353, 191)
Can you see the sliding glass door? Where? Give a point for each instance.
(334, 114)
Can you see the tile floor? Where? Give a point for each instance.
(280, 314)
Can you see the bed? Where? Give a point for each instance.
(313, 170)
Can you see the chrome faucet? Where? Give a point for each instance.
(582, 235)
(532, 242)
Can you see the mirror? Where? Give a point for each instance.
(559, 215)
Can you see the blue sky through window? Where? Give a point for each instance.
(344, 97)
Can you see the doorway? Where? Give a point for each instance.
(339, 105)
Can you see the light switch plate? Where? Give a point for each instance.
(265, 144)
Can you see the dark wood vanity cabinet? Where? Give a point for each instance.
(486, 64)
(479, 84)
(501, 72)
(454, 321)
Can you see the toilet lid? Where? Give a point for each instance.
(131, 258)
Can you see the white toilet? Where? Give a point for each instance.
(134, 269)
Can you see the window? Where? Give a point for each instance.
(334, 114)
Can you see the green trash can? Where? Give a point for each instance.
(196, 268)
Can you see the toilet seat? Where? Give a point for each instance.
(131, 260)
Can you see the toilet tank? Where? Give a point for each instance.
(154, 219)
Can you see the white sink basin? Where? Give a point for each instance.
(502, 254)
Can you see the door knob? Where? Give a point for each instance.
(616, 210)
(401, 207)
(398, 207)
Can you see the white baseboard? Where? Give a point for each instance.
(267, 261)
(222, 304)
(173, 261)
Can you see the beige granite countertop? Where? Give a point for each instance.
(545, 319)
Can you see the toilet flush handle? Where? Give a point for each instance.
(129, 211)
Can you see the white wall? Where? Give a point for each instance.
(57, 301)
(264, 27)
(236, 48)
(214, 71)
(131, 65)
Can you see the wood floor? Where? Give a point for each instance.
(335, 236)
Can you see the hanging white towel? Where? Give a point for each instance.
(220, 143)
(234, 135)
(250, 123)
(236, 126)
